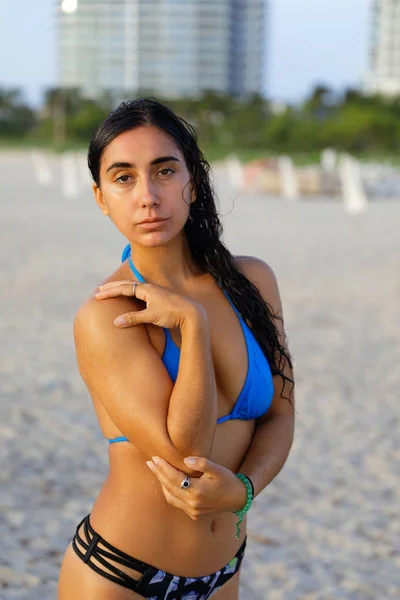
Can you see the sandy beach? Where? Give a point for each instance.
(329, 526)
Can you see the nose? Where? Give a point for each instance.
(147, 195)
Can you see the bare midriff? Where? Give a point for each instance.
(132, 514)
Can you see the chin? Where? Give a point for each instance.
(154, 239)
(160, 237)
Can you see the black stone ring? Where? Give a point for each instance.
(185, 483)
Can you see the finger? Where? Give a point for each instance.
(167, 475)
(134, 318)
(172, 482)
(167, 487)
(143, 291)
(190, 503)
(168, 468)
(199, 463)
(110, 284)
(121, 288)
(175, 475)
(180, 504)
(167, 471)
(170, 497)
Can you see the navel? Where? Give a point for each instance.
(213, 525)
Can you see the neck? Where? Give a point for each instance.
(170, 266)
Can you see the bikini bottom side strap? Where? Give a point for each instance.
(96, 547)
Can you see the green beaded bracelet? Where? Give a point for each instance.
(249, 500)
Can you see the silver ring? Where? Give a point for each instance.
(185, 483)
(134, 288)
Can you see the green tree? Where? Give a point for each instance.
(16, 118)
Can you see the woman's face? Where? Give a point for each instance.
(146, 187)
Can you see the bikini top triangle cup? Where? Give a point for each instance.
(256, 394)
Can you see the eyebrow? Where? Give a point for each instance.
(156, 161)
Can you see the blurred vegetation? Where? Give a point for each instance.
(351, 121)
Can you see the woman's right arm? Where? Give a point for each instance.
(121, 367)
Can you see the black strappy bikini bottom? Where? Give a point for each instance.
(154, 583)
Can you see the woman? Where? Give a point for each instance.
(183, 352)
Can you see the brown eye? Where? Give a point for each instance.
(166, 172)
(123, 179)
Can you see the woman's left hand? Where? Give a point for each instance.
(217, 490)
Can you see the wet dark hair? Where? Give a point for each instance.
(203, 228)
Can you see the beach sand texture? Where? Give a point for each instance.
(329, 526)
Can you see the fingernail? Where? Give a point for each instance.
(119, 321)
(189, 461)
(155, 459)
(149, 464)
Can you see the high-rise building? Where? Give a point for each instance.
(173, 48)
(384, 69)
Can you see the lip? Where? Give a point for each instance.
(152, 223)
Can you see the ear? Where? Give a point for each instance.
(193, 193)
(98, 194)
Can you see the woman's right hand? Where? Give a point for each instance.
(163, 307)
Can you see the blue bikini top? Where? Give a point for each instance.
(256, 395)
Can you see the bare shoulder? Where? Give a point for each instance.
(256, 269)
(94, 319)
(93, 314)
(94, 329)
(261, 274)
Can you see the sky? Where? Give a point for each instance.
(308, 42)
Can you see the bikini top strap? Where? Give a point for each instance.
(126, 253)
(139, 277)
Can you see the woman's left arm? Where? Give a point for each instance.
(219, 490)
(274, 432)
